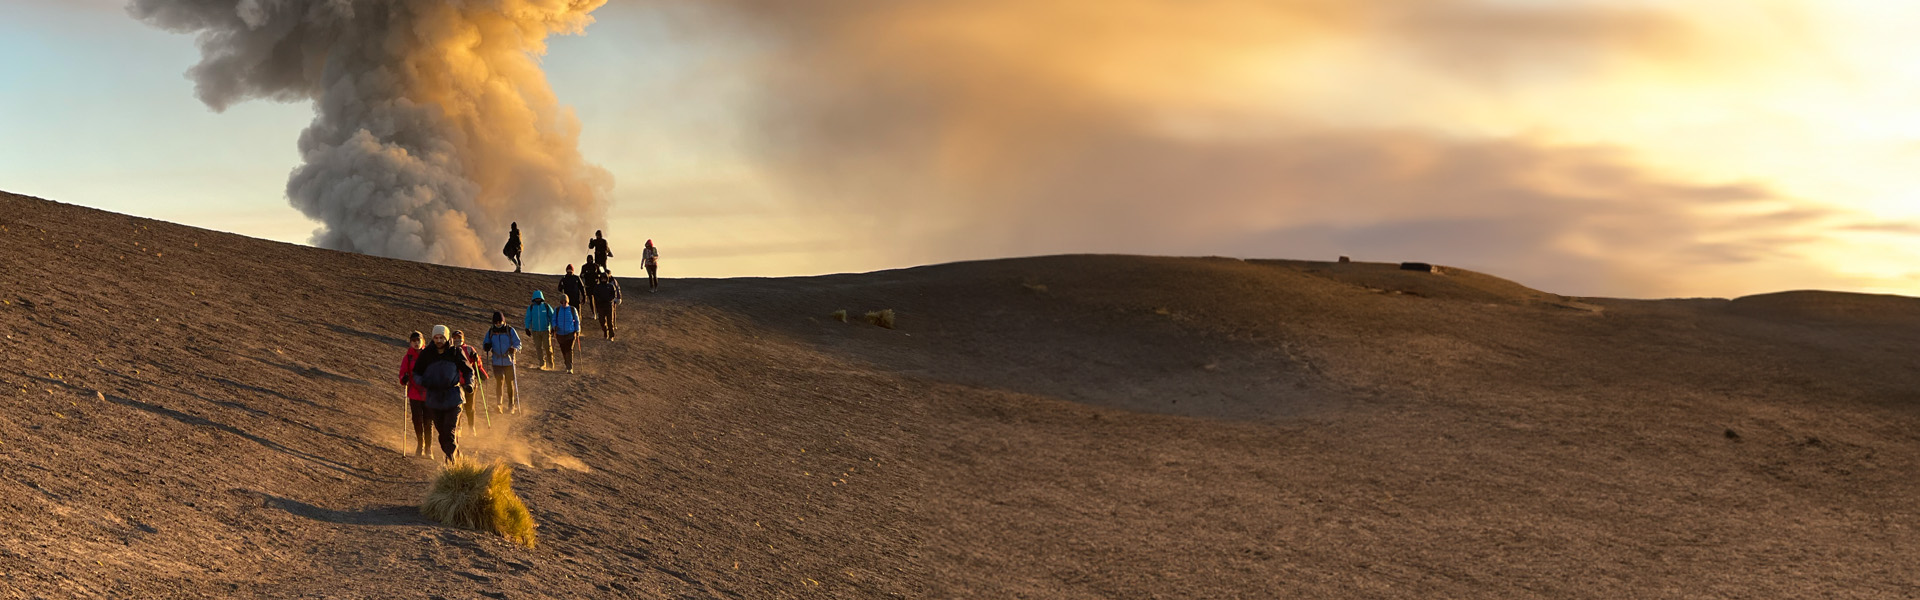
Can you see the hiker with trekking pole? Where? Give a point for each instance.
(442, 369)
(502, 345)
(477, 394)
(416, 395)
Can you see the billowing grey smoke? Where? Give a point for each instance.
(433, 127)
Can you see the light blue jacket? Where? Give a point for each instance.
(539, 314)
(566, 320)
(500, 343)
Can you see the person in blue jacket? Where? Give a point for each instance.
(566, 327)
(502, 346)
(539, 327)
(442, 369)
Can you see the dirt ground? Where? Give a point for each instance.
(187, 413)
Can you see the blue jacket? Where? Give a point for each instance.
(500, 343)
(539, 314)
(566, 320)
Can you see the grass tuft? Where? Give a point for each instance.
(839, 315)
(480, 497)
(1037, 288)
(883, 318)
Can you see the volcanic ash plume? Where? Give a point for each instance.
(433, 127)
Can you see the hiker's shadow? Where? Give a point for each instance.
(377, 516)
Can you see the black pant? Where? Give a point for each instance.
(653, 276)
(446, 420)
(422, 423)
(603, 310)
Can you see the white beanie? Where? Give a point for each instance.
(441, 331)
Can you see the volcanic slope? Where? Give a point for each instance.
(186, 413)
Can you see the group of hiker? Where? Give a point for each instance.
(446, 378)
(439, 377)
(596, 266)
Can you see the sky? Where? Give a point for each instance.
(1634, 148)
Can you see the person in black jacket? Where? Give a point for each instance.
(606, 296)
(573, 287)
(442, 369)
(589, 277)
(600, 250)
(512, 250)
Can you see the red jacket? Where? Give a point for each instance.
(414, 392)
(473, 359)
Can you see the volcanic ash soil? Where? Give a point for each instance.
(187, 413)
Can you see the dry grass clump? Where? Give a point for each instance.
(1037, 288)
(839, 315)
(883, 318)
(476, 497)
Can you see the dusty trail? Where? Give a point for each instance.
(1059, 427)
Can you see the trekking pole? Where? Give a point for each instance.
(480, 397)
(406, 419)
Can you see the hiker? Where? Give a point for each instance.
(589, 277)
(513, 246)
(416, 395)
(651, 258)
(478, 394)
(502, 345)
(574, 288)
(566, 329)
(605, 294)
(442, 369)
(539, 327)
(600, 251)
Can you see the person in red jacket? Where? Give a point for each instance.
(416, 395)
(478, 395)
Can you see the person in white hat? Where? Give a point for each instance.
(442, 369)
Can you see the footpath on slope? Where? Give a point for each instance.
(1059, 427)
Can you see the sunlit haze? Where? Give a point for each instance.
(1592, 147)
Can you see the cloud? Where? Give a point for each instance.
(1885, 227)
(1246, 127)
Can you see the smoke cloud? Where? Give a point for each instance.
(433, 128)
(1260, 128)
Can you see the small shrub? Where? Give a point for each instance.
(476, 497)
(840, 315)
(883, 318)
